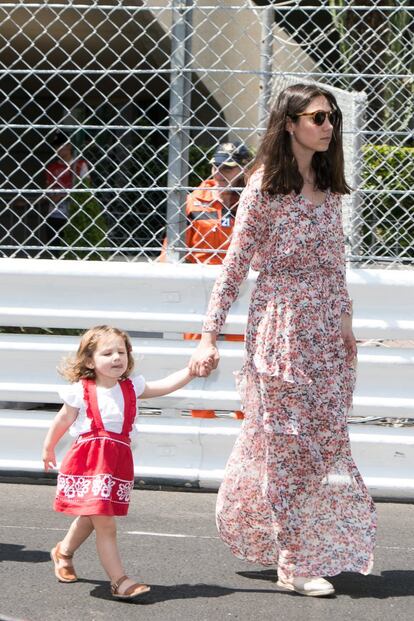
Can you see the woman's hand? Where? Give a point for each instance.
(348, 337)
(205, 357)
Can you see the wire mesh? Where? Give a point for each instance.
(143, 91)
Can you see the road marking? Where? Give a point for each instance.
(32, 527)
(172, 535)
(177, 535)
(125, 532)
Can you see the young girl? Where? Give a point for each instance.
(97, 475)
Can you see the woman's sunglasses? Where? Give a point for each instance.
(318, 117)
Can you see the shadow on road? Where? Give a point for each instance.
(162, 593)
(392, 583)
(266, 574)
(18, 553)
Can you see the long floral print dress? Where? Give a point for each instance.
(292, 495)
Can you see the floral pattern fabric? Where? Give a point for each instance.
(104, 486)
(292, 495)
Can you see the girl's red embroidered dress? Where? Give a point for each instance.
(97, 474)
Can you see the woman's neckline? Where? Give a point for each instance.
(314, 204)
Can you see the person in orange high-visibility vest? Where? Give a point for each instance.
(210, 211)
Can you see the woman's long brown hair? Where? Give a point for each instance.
(280, 169)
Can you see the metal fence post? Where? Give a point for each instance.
(266, 53)
(179, 133)
(126, 77)
(357, 202)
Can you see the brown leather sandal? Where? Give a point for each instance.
(63, 574)
(131, 592)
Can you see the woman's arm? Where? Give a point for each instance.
(165, 386)
(346, 315)
(61, 423)
(252, 216)
(345, 301)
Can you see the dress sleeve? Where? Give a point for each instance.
(346, 302)
(72, 394)
(138, 382)
(248, 228)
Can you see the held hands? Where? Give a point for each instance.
(204, 359)
(49, 459)
(348, 337)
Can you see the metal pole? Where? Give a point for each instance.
(266, 65)
(356, 216)
(179, 138)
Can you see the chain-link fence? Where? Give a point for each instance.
(111, 109)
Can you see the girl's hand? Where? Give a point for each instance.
(49, 459)
(348, 337)
(204, 359)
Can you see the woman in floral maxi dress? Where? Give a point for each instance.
(292, 495)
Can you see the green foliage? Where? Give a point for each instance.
(388, 168)
(389, 213)
(386, 51)
(86, 226)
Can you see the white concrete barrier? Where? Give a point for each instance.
(171, 299)
(193, 452)
(385, 384)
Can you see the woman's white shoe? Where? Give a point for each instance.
(313, 587)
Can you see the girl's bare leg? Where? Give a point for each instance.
(78, 532)
(106, 544)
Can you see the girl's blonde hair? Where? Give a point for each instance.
(75, 368)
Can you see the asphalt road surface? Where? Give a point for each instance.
(170, 541)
